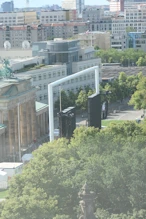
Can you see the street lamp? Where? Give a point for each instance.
(19, 140)
(60, 98)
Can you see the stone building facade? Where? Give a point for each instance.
(18, 117)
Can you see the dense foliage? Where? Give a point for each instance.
(78, 99)
(112, 161)
(138, 99)
(128, 57)
(122, 87)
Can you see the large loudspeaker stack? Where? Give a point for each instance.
(94, 111)
(67, 122)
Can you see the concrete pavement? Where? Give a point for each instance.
(122, 115)
(126, 115)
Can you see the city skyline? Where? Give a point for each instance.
(36, 3)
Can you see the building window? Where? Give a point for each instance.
(34, 78)
(54, 74)
(45, 96)
(45, 86)
(58, 74)
(49, 75)
(40, 77)
(63, 72)
(44, 76)
(41, 98)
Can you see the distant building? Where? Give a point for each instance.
(92, 14)
(42, 32)
(42, 76)
(58, 51)
(115, 5)
(18, 18)
(134, 20)
(132, 4)
(52, 16)
(62, 58)
(8, 6)
(136, 40)
(74, 4)
(104, 24)
(95, 38)
(119, 42)
(55, 16)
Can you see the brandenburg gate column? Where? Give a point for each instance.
(23, 124)
(33, 121)
(29, 126)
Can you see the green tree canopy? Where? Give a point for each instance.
(114, 167)
(138, 99)
(127, 57)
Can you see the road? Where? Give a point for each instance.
(122, 115)
(126, 115)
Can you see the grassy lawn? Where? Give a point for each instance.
(108, 122)
(3, 194)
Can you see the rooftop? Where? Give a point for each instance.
(93, 32)
(33, 67)
(10, 165)
(10, 81)
(58, 40)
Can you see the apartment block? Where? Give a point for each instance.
(92, 14)
(53, 16)
(104, 24)
(17, 34)
(18, 18)
(34, 33)
(119, 42)
(119, 26)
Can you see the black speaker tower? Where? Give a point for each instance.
(94, 111)
(67, 122)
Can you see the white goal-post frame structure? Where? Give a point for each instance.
(59, 82)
